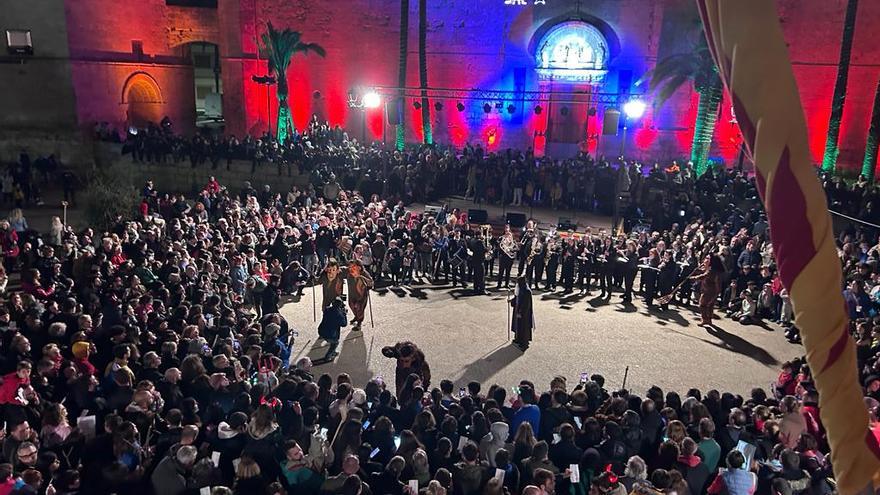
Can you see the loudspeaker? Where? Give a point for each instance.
(566, 223)
(610, 122)
(624, 82)
(516, 220)
(478, 216)
(394, 109)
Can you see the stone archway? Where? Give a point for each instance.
(143, 97)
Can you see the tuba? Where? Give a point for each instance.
(508, 246)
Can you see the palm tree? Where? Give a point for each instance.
(280, 47)
(829, 159)
(401, 74)
(697, 66)
(423, 71)
(873, 139)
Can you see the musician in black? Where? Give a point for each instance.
(535, 262)
(525, 244)
(458, 259)
(440, 248)
(492, 252)
(650, 274)
(476, 249)
(607, 266)
(554, 252)
(629, 261)
(569, 262)
(586, 264)
(506, 255)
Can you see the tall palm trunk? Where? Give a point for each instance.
(427, 134)
(401, 74)
(284, 121)
(829, 159)
(870, 162)
(704, 124)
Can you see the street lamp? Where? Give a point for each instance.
(267, 80)
(633, 109)
(364, 100)
(372, 100)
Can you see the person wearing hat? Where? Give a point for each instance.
(359, 284)
(331, 280)
(81, 351)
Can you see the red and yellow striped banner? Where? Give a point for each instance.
(746, 41)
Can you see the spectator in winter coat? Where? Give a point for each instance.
(792, 424)
(171, 474)
(410, 360)
(736, 479)
(695, 473)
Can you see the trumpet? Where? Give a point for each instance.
(487, 235)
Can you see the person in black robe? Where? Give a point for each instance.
(666, 280)
(523, 321)
(335, 317)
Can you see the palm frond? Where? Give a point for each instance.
(668, 88)
(672, 66)
(280, 46)
(312, 47)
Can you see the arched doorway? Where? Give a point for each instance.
(143, 97)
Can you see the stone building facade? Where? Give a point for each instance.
(128, 62)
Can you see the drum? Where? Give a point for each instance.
(457, 261)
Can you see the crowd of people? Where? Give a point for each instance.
(152, 358)
(506, 177)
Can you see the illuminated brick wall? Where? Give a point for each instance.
(471, 45)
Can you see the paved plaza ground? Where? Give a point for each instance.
(465, 338)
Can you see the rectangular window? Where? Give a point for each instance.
(137, 47)
(203, 60)
(210, 4)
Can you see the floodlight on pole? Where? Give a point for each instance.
(634, 109)
(372, 99)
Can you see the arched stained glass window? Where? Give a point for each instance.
(573, 50)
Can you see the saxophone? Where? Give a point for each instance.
(535, 250)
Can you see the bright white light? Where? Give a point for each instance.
(372, 100)
(634, 109)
